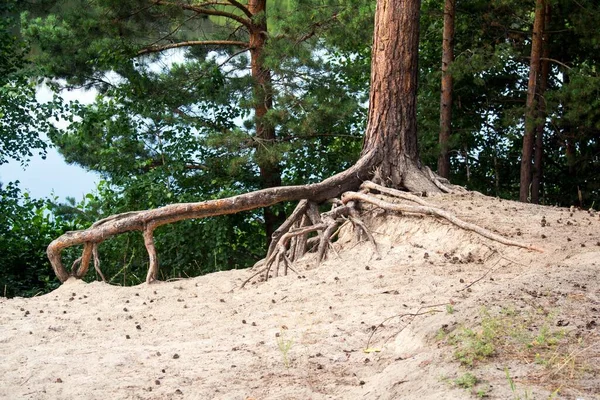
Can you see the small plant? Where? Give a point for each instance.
(442, 333)
(466, 381)
(473, 384)
(483, 391)
(284, 346)
(474, 345)
(450, 309)
(513, 388)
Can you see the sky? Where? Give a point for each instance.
(52, 176)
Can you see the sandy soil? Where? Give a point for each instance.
(348, 329)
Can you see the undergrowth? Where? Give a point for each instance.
(528, 336)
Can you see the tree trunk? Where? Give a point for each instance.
(392, 124)
(530, 106)
(538, 156)
(443, 168)
(270, 170)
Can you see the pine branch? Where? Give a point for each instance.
(241, 7)
(159, 163)
(206, 11)
(177, 28)
(189, 43)
(315, 27)
(316, 135)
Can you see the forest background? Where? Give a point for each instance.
(201, 100)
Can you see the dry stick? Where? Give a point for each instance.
(267, 268)
(437, 182)
(482, 276)
(75, 264)
(324, 241)
(400, 316)
(355, 219)
(287, 225)
(330, 218)
(285, 264)
(369, 235)
(394, 192)
(313, 213)
(277, 262)
(510, 260)
(427, 210)
(301, 241)
(288, 264)
(314, 216)
(337, 253)
(292, 245)
(297, 232)
(572, 356)
(492, 269)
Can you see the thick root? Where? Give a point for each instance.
(427, 209)
(293, 234)
(147, 221)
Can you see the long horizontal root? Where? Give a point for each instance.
(426, 209)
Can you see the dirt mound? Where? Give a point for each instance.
(443, 313)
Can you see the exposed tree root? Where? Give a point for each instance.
(282, 252)
(443, 184)
(290, 240)
(306, 230)
(147, 221)
(425, 208)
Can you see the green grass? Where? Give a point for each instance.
(527, 336)
(466, 381)
(284, 346)
(526, 333)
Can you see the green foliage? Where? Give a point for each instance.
(575, 141)
(199, 109)
(22, 120)
(188, 248)
(490, 73)
(475, 345)
(26, 228)
(178, 126)
(515, 333)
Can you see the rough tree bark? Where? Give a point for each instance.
(392, 123)
(538, 156)
(270, 171)
(390, 157)
(443, 167)
(530, 106)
